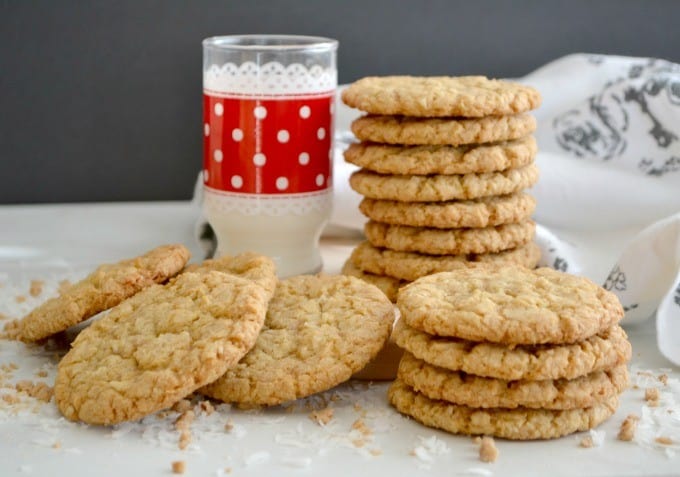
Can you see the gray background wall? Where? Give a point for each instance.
(101, 100)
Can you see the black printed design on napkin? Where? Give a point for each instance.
(676, 296)
(599, 128)
(616, 280)
(560, 264)
(626, 309)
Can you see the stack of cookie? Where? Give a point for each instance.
(444, 164)
(509, 352)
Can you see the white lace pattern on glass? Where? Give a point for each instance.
(268, 204)
(269, 79)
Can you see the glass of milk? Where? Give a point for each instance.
(268, 145)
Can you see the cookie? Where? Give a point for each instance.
(104, 288)
(159, 346)
(518, 424)
(248, 265)
(510, 305)
(449, 241)
(440, 96)
(411, 266)
(386, 159)
(435, 188)
(605, 350)
(388, 285)
(477, 213)
(319, 331)
(476, 391)
(410, 131)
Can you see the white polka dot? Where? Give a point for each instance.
(282, 136)
(236, 182)
(260, 112)
(305, 112)
(206, 129)
(236, 134)
(303, 158)
(219, 109)
(259, 159)
(206, 175)
(217, 155)
(319, 180)
(321, 133)
(282, 183)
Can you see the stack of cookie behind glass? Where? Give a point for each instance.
(444, 164)
(509, 352)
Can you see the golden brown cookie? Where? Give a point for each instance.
(159, 346)
(509, 304)
(517, 424)
(388, 285)
(420, 160)
(440, 96)
(449, 241)
(475, 391)
(248, 265)
(411, 266)
(104, 288)
(484, 212)
(319, 331)
(435, 188)
(605, 350)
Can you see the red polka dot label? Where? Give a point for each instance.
(268, 145)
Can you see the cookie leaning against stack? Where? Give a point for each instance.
(443, 163)
(509, 352)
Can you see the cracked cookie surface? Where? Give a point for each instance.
(159, 346)
(440, 96)
(388, 285)
(510, 305)
(319, 331)
(104, 288)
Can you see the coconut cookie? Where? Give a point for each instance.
(159, 346)
(510, 305)
(519, 423)
(388, 285)
(475, 391)
(484, 212)
(104, 288)
(449, 241)
(435, 188)
(440, 96)
(603, 351)
(410, 266)
(319, 331)
(405, 130)
(387, 159)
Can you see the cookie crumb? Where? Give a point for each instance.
(63, 286)
(375, 452)
(56, 445)
(357, 407)
(182, 406)
(652, 397)
(587, 442)
(628, 426)
(361, 426)
(667, 441)
(3, 316)
(39, 391)
(20, 298)
(477, 440)
(487, 450)
(12, 330)
(41, 373)
(183, 424)
(11, 399)
(206, 407)
(664, 379)
(322, 417)
(227, 470)
(229, 425)
(184, 439)
(36, 287)
(178, 467)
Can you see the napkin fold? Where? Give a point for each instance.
(609, 154)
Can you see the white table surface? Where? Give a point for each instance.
(51, 241)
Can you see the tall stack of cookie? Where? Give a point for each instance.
(509, 352)
(444, 164)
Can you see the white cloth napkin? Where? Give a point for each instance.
(609, 154)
